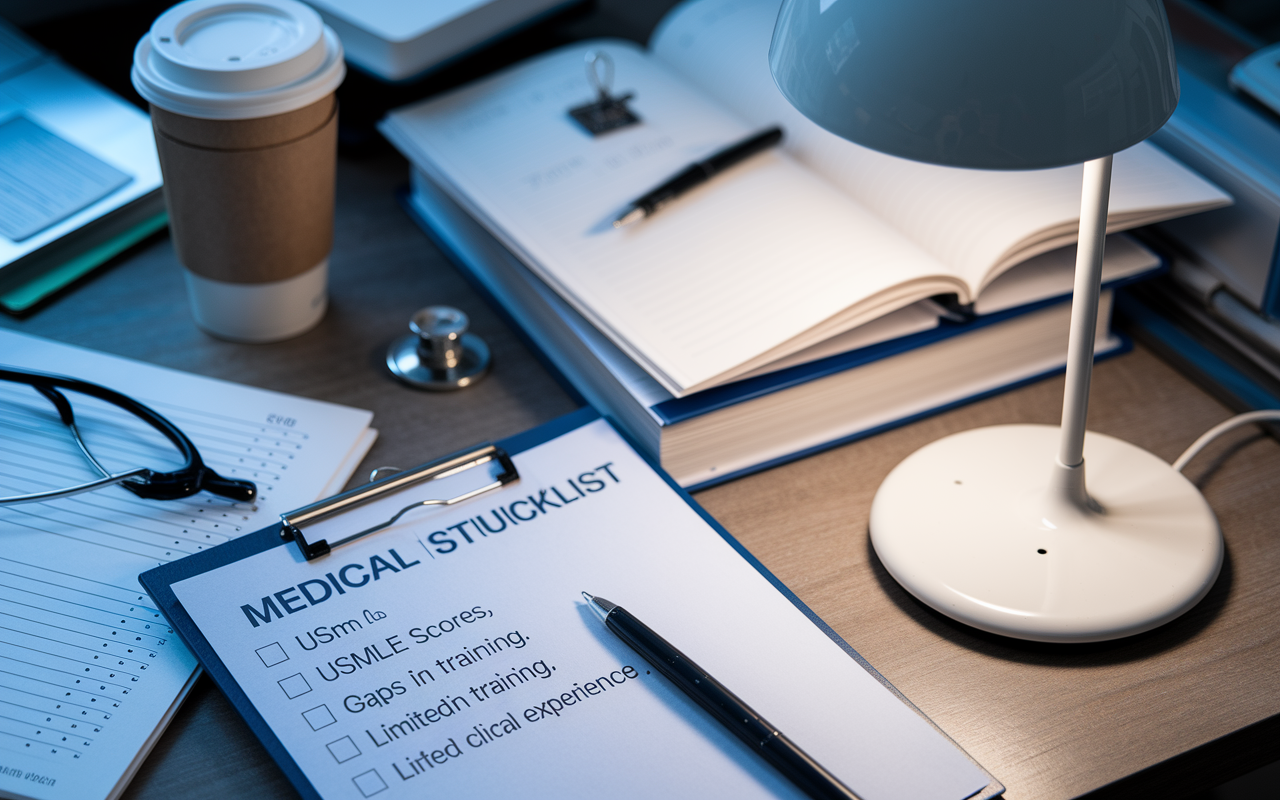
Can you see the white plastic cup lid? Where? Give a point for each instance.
(237, 60)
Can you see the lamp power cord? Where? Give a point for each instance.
(1191, 452)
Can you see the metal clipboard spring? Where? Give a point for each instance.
(460, 461)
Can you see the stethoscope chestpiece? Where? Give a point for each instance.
(439, 355)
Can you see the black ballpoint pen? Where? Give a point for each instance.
(697, 173)
(810, 776)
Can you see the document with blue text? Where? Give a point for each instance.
(451, 654)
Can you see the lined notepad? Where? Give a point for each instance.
(89, 670)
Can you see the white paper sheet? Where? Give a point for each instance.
(88, 669)
(451, 655)
(45, 179)
(93, 120)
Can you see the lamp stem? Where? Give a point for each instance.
(1084, 309)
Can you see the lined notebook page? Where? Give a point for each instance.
(977, 221)
(89, 670)
(761, 261)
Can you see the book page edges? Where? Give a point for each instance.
(1067, 233)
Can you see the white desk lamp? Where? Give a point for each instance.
(989, 526)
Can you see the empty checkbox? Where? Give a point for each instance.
(272, 654)
(369, 783)
(319, 717)
(344, 749)
(294, 686)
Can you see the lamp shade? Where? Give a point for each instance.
(990, 84)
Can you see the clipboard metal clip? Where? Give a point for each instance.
(294, 521)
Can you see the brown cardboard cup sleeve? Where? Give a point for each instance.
(250, 201)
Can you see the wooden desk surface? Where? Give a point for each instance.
(1178, 709)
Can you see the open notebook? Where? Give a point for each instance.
(776, 255)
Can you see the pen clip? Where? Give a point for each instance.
(294, 521)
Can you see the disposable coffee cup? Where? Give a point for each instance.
(246, 124)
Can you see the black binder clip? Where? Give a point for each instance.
(607, 113)
(501, 469)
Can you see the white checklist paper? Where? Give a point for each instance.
(90, 672)
(451, 654)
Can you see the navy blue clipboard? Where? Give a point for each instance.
(158, 584)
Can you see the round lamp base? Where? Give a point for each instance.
(975, 526)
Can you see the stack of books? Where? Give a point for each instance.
(400, 40)
(811, 295)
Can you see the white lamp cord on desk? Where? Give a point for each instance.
(1221, 428)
